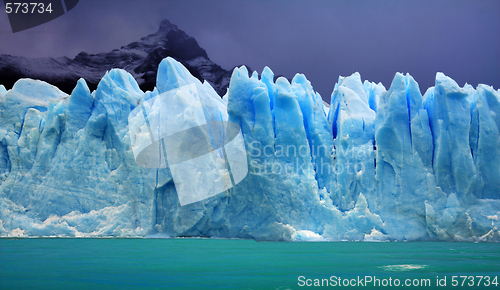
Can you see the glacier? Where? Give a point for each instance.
(373, 165)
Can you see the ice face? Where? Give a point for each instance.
(353, 128)
(3, 91)
(375, 164)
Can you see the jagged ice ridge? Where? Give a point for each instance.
(375, 165)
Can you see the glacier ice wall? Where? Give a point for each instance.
(376, 164)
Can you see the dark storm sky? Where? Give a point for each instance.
(322, 39)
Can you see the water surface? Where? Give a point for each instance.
(238, 264)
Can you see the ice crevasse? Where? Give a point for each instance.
(374, 165)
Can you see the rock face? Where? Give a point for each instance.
(374, 165)
(140, 58)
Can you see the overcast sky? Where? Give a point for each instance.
(321, 39)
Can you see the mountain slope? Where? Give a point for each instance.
(140, 58)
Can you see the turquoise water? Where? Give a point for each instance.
(239, 264)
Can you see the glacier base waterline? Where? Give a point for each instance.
(375, 165)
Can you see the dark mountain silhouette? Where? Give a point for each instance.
(140, 58)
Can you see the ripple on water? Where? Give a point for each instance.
(403, 268)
